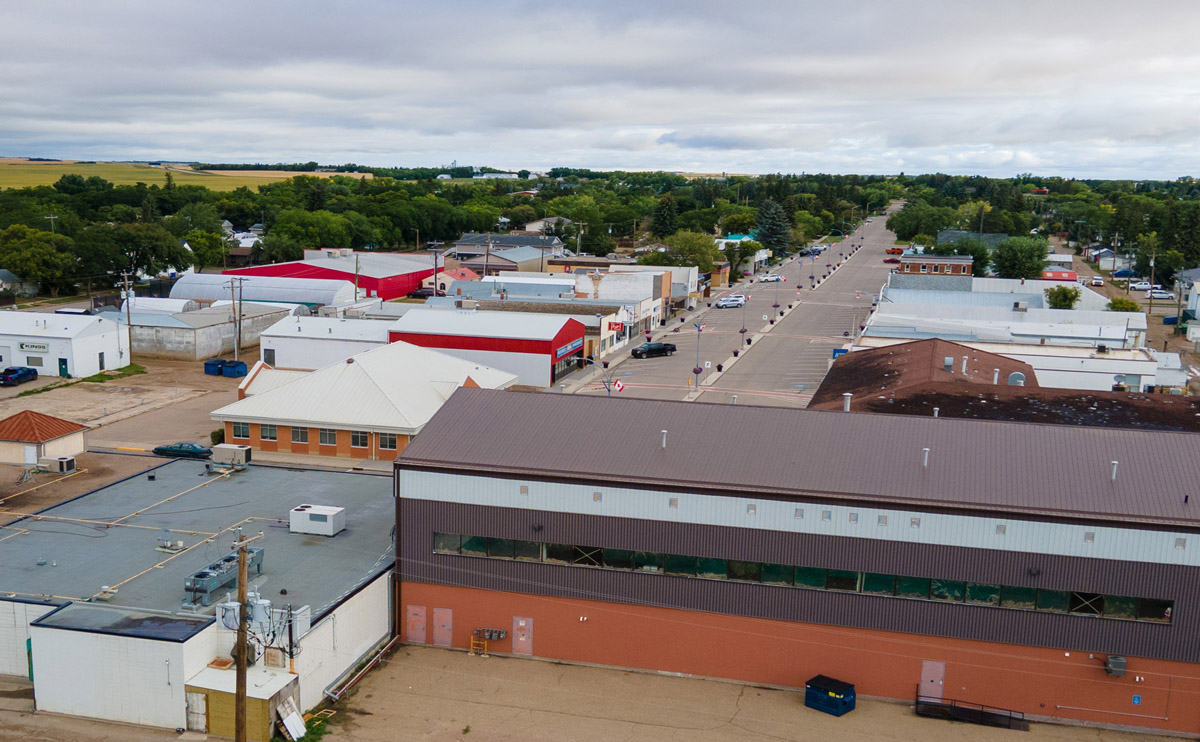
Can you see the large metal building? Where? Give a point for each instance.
(205, 288)
(1050, 570)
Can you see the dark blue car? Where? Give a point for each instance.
(14, 375)
(186, 450)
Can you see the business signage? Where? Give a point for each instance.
(35, 347)
(616, 326)
(570, 347)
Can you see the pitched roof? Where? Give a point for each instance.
(473, 323)
(899, 370)
(8, 276)
(507, 240)
(979, 467)
(34, 427)
(395, 388)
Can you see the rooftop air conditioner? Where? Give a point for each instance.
(60, 465)
(231, 453)
(322, 520)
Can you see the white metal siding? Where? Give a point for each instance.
(1036, 537)
(14, 630)
(308, 354)
(532, 369)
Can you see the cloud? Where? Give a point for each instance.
(768, 86)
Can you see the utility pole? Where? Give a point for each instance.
(239, 649)
(487, 255)
(235, 290)
(52, 217)
(128, 315)
(356, 256)
(579, 238)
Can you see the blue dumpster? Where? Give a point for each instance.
(233, 368)
(212, 366)
(826, 694)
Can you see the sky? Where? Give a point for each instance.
(1075, 89)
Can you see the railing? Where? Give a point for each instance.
(974, 713)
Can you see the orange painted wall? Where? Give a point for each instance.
(1039, 682)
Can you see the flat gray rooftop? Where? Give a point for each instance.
(109, 537)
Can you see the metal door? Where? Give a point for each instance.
(415, 625)
(933, 676)
(522, 635)
(63, 371)
(197, 712)
(443, 627)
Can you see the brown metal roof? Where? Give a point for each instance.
(34, 427)
(1048, 471)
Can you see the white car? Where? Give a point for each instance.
(770, 278)
(1160, 294)
(732, 301)
(1144, 286)
(1097, 281)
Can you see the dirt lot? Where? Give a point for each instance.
(433, 694)
(95, 470)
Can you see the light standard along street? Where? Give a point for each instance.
(698, 370)
(606, 376)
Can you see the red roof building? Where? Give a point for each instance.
(383, 275)
(28, 436)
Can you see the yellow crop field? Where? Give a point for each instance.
(20, 173)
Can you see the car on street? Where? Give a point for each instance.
(891, 260)
(14, 375)
(770, 278)
(733, 301)
(184, 450)
(1160, 294)
(1124, 273)
(1097, 281)
(650, 350)
(1144, 286)
(894, 251)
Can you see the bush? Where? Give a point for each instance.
(1121, 304)
(217, 436)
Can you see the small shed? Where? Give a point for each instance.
(29, 436)
(211, 700)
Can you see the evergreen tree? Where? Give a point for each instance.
(666, 216)
(773, 228)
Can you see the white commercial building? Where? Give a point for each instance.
(66, 345)
(206, 288)
(308, 343)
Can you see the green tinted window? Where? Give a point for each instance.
(675, 564)
(840, 579)
(1053, 600)
(777, 574)
(983, 594)
(560, 553)
(877, 584)
(810, 577)
(947, 590)
(912, 587)
(618, 559)
(500, 547)
(744, 571)
(1116, 606)
(648, 561)
(447, 542)
(529, 551)
(475, 545)
(1018, 597)
(713, 569)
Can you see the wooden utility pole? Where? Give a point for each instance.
(235, 290)
(240, 648)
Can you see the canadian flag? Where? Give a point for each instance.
(618, 385)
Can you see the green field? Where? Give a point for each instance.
(19, 174)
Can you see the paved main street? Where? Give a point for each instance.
(784, 363)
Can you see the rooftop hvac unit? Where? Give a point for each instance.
(60, 465)
(321, 520)
(1020, 306)
(231, 453)
(467, 304)
(1115, 665)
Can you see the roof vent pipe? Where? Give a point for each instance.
(935, 412)
(664, 440)
(846, 397)
(1114, 470)
(924, 458)
(964, 364)
(995, 376)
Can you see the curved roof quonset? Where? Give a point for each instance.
(212, 287)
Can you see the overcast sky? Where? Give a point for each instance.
(1087, 89)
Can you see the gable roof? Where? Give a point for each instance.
(507, 240)
(474, 323)
(8, 276)
(459, 274)
(393, 389)
(34, 427)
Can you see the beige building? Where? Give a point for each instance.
(28, 436)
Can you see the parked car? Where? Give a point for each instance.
(14, 375)
(1160, 294)
(770, 278)
(1097, 281)
(184, 450)
(894, 251)
(891, 260)
(733, 301)
(424, 293)
(1124, 273)
(1144, 286)
(649, 350)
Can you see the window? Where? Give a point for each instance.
(673, 502)
(387, 442)
(359, 439)
(912, 587)
(1018, 597)
(948, 590)
(100, 358)
(1001, 529)
(447, 543)
(800, 513)
(527, 551)
(269, 356)
(778, 574)
(810, 577)
(937, 269)
(299, 435)
(34, 361)
(328, 437)
(840, 579)
(1117, 606)
(983, 594)
(876, 584)
(1089, 537)
(597, 497)
(854, 518)
(268, 433)
(751, 509)
(881, 520)
(924, 268)
(1087, 603)
(241, 430)
(914, 522)
(1181, 543)
(500, 548)
(744, 571)
(826, 515)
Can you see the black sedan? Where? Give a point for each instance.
(184, 450)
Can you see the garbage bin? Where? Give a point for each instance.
(212, 366)
(834, 697)
(233, 368)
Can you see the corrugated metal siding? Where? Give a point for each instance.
(419, 519)
(1047, 470)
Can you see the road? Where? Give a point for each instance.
(782, 366)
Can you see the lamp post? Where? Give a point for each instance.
(605, 374)
(698, 370)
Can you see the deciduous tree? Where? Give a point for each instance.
(1020, 257)
(1062, 297)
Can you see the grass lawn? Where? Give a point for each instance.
(20, 174)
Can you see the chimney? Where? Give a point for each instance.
(964, 364)
(935, 411)
(664, 440)
(925, 458)
(846, 401)
(995, 376)
(1114, 470)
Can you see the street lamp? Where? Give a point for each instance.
(605, 374)
(698, 370)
